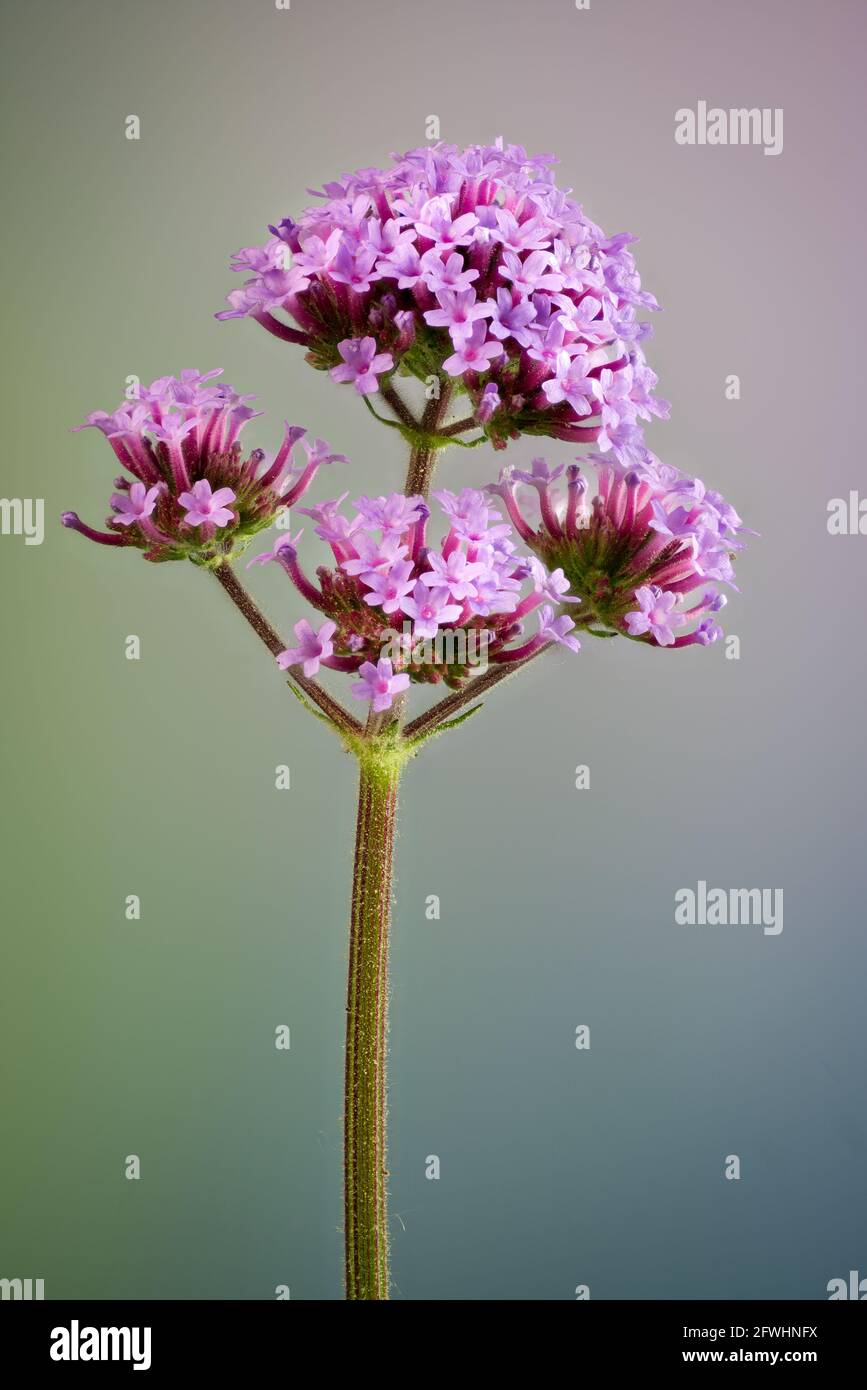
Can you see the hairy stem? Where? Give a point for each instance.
(430, 721)
(390, 394)
(422, 459)
(365, 1173)
(331, 708)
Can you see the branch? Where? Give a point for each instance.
(459, 426)
(427, 723)
(331, 708)
(401, 410)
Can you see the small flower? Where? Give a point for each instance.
(473, 353)
(655, 615)
(489, 403)
(458, 311)
(573, 383)
(430, 608)
(362, 364)
(204, 506)
(451, 274)
(136, 504)
(557, 629)
(313, 647)
(511, 317)
(379, 684)
(388, 587)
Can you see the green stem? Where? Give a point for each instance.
(365, 1173)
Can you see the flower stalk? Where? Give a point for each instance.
(365, 1170)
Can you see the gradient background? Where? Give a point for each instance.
(156, 1038)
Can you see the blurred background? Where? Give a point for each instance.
(156, 1038)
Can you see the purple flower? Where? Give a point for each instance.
(573, 384)
(443, 220)
(388, 587)
(179, 442)
(430, 608)
(392, 513)
(489, 403)
(379, 684)
(473, 353)
(453, 573)
(450, 274)
(634, 543)
(204, 506)
(511, 317)
(435, 223)
(557, 629)
(458, 312)
(533, 274)
(655, 615)
(375, 557)
(136, 504)
(361, 364)
(313, 647)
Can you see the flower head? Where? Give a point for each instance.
(427, 605)
(631, 553)
(474, 264)
(190, 492)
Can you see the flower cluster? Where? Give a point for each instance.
(397, 608)
(189, 493)
(649, 536)
(473, 264)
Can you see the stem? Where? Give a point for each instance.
(331, 708)
(422, 459)
(365, 1173)
(430, 721)
(460, 426)
(398, 405)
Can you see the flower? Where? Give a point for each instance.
(553, 629)
(655, 614)
(649, 537)
(398, 268)
(204, 506)
(392, 591)
(379, 684)
(136, 504)
(188, 478)
(362, 364)
(430, 608)
(313, 647)
(458, 312)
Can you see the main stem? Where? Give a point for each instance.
(365, 1173)
(364, 1135)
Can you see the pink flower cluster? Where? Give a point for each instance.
(632, 552)
(397, 608)
(471, 264)
(188, 491)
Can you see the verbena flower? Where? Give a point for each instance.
(632, 552)
(190, 493)
(431, 611)
(471, 263)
